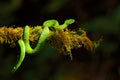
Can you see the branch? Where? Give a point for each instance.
(10, 35)
(59, 39)
(58, 36)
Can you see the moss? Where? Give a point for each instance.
(63, 40)
(10, 35)
(59, 36)
(35, 33)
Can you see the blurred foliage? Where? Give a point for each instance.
(109, 28)
(55, 5)
(101, 18)
(6, 10)
(105, 24)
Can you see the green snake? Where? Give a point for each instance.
(25, 44)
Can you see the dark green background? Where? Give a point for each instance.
(100, 18)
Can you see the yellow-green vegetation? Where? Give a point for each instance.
(58, 36)
(9, 35)
(63, 40)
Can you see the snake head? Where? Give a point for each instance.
(69, 21)
(50, 23)
(66, 23)
(54, 24)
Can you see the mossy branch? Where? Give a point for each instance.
(9, 35)
(60, 38)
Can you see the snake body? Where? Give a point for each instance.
(25, 44)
